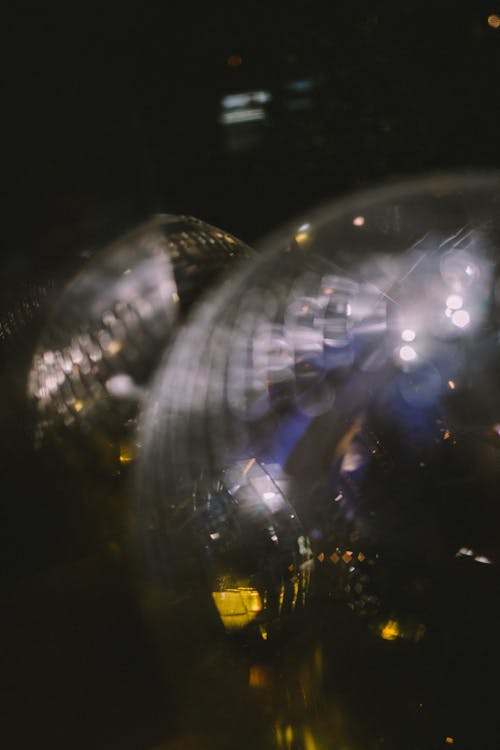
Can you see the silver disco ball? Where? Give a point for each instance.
(114, 319)
(359, 353)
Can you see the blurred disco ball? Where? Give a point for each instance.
(113, 320)
(360, 354)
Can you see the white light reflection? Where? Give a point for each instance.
(408, 334)
(454, 302)
(358, 221)
(243, 115)
(407, 353)
(460, 318)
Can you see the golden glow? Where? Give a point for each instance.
(446, 435)
(295, 591)
(282, 596)
(126, 454)
(449, 740)
(78, 406)
(346, 557)
(334, 558)
(494, 21)
(309, 741)
(289, 735)
(237, 607)
(301, 237)
(361, 557)
(321, 556)
(263, 633)
(390, 631)
(451, 383)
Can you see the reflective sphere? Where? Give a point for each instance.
(113, 320)
(360, 354)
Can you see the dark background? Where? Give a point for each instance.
(112, 114)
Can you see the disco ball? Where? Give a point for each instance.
(113, 320)
(359, 353)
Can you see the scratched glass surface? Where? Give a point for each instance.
(317, 483)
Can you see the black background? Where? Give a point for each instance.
(111, 114)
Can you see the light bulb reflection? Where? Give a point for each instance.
(460, 318)
(454, 302)
(407, 353)
(408, 334)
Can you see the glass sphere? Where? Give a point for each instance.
(114, 318)
(360, 354)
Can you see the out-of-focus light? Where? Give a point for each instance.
(305, 84)
(460, 318)
(483, 559)
(408, 334)
(454, 302)
(126, 454)
(258, 676)
(390, 631)
(494, 21)
(244, 99)
(304, 228)
(309, 741)
(358, 221)
(496, 428)
(215, 535)
(234, 61)
(464, 552)
(451, 384)
(237, 607)
(301, 237)
(449, 740)
(250, 114)
(448, 312)
(407, 353)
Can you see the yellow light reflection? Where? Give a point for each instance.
(390, 631)
(295, 592)
(301, 237)
(237, 607)
(494, 21)
(451, 383)
(282, 597)
(126, 454)
(449, 740)
(78, 406)
(309, 741)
